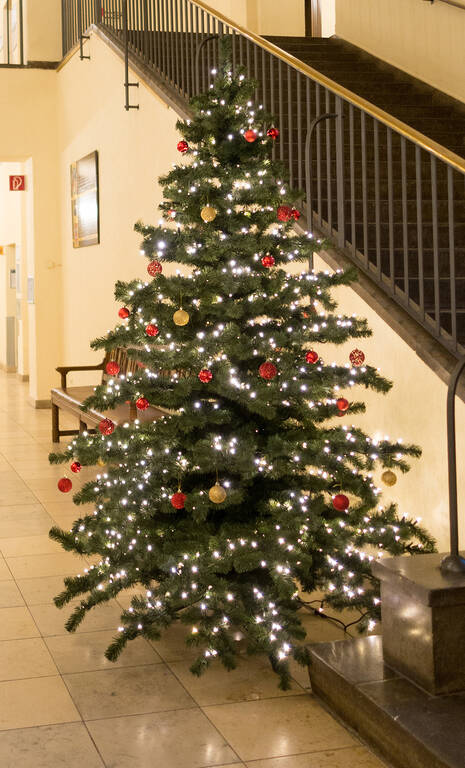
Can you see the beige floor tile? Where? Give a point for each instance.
(86, 651)
(66, 520)
(10, 595)
(27, 520)
(58, 564)
(172, 644)
(40, 591)
(253, 679)
(5, 573)
(16, 623)
(25, 658)
(28, 545)
(113, 692)
(15, 495)
(182, 739)
(356, 757)
(36, 701)
(275, 727)
(51, 620)
(49, 746)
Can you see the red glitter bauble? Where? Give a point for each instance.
(273, 133)
(312, 356)
(341, 502)
(250, 136)
(267, 371)
(295, 214)
(112, 368)
(142, 403)
(268, 260)
(64, 484)
(106, 427)
(178, 500)
(151, 330)
(76, 466)
(182, 146)
(357, 357)
(342, 404)
(124, 312)
(284, 212)
(154, 268)
(205, 375)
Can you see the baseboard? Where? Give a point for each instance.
(39, 403)
(22, 376)
(8, 368)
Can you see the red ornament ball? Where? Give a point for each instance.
(273, 133)
(124, 313)
(250, 136)
(142, 403)
(64, 484)
(267, 370)
(171, 214)
(112, 368)
(151, 330)
(267, 260)
(341, 502)
(312, 356)
(205, 375)
(182, 146)
(295, 214)
(106, 427)
(178, 500)
(357, 357)
(342, 404)
(76, 466)
(154, 268)
(284, 212)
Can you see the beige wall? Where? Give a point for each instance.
(263, 16)
(424, 39)
(42, 30)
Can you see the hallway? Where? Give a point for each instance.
(63, 704)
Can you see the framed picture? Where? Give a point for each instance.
(85, 201)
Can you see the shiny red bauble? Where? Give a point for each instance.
(273, 133)
(205, 375)
(250, 136)
(151, 330)
(64, 484)
(312, 356)
(124, 313)
(182, 146)
(267, 260)
(295, 214)
(178, 500)
(112, 368)
(171, 213)
(154, 268)
(76, 466)
(341, 502)
(106, 427)
(357, 357)
(342, 404)
(267, 371)
(142, 403)
(284, 212)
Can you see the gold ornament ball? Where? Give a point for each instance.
(217, 494)
(208, 213)
(181, 317)
(389, 478)
(100, 462)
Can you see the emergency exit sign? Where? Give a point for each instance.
(17, 183)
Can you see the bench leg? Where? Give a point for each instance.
(55, 423)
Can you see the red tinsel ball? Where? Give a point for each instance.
(124, 312)
(267, 370)
(273, 133)
(295, 214)
(64, 484)
(112, 368)
(284, 212)
(151, 330)
(357, 357)
(205, 375)
(268, 260)
(182, 146)
(250, 136)
(342, 404)
(76, 466)
(341, 502)
(106, 427)
(154, 268)
(312, 356)
(142, 403)
(178, 500)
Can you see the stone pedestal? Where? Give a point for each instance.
(423, 620)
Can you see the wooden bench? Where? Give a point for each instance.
(71, 399)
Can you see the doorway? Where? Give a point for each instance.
(8, 319)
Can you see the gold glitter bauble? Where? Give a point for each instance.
(100, 462)
(217, 494)
(181, 317)
(389, 478)
(208, 213)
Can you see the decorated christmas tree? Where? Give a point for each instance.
(249, 491)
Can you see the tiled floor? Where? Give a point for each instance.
(62, 704)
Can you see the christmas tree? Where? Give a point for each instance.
(248, 492)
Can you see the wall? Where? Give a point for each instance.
(264, 17)
(42, 30)
(424, 39)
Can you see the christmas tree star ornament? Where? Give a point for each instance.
(76, 466)
(341, 502)
(342, 404)
(106, 427)
(208, 214)
(268, 370)
(267, 260)
(154, 268)
(357, 357)
(182, 146)
(389, 477)
(311, 356)
(151, 329)
(124, 313)
(112, 368)
(64, 484)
